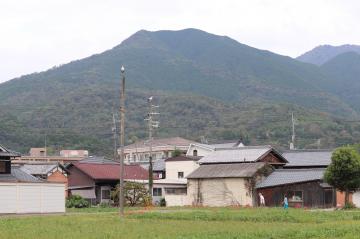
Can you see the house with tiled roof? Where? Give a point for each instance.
(93, 178)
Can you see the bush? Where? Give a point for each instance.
(135, 194)
(162, 202)
(349, 205)
(77, 202)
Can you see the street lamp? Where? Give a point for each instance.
(122, 139)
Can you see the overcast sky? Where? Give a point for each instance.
(38, 34)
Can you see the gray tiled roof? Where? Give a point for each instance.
(8, 153)
(312, 158)
(233, 155)
(289, 176)
(38, 169)
(241, 170)
(18, 175)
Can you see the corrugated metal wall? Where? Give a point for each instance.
(32, 198)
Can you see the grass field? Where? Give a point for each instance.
(185, 223)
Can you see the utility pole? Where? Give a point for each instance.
(122, 139)
(151, 125)
(292, 144)
(114, 130)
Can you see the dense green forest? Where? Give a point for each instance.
(205, 85)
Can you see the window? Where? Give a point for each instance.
(175, 191)
(195, 152)
(180, 174)
(157, 192)
(295, 196)
(105, 194)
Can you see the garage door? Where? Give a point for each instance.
(32, 198)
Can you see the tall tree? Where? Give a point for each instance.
(344, 171)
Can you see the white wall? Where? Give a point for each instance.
(356, 198)
(176, 200)
(32, 198)
(173, 167)
(219, 192)
(201, 151)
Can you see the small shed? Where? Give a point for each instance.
(225, 184)
(303, 188)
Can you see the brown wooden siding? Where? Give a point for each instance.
(314, 196)
(271, 158)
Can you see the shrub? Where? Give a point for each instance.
(135, 194)
(77, 202)
(162, 202)
(349, 205)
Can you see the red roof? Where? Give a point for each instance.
(112, 171)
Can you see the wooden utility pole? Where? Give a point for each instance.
(122, 139)
(114, 130)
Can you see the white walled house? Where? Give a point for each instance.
(197, 149)
(174, 187)
(139, 152)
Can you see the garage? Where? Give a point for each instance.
(356, 198)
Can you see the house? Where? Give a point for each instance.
(48, 172)
(197, 149)
(139, 152)
(303, 187)
(174, 187)
(302, 179)
(93, 178)
(227, 176)
(23, 193)
(225, 184)
(245, 154)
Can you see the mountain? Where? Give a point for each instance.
(344, 77)
(321, 54)
(205, 85)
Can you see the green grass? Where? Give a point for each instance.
(187, 223)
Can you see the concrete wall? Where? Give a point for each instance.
(176, 200)
(173, 167)
(59, 177)
(200, 151)
(219, 192)
(32, 198)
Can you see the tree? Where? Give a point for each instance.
(135, 194)
(176, 152)
(344, 171)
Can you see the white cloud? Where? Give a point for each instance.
(36, 34)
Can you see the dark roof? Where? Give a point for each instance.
(18, 175)
(183, 158)
(8, 153)
(243, 170)
(290, 176)
(239, 154)
(112, 171)
(308, 158)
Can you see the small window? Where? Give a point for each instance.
(157, 192)
(295, 196)
(105, 194)
(195, 152)
(176, 191)
(180, 174)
